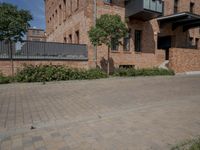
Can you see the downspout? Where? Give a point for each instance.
(94, 20)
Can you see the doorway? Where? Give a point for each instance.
(165, 43)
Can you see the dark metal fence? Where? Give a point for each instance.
(43, 51)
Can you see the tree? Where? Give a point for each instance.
(109, 29)
(14, 24)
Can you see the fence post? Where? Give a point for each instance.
(27, 47)
(44, 48)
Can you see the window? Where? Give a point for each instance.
(114, 45)
(127, 42)
(197, 42)
(77, 4)
(190, 41)
(33, 32)
(65, 40)
(192, 7)
(70, 7)
(176, 3)
(108, 1)
(77, 37)
(138, 38)
(70, 39)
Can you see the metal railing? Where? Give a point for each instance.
(43, 51)
(154, 5)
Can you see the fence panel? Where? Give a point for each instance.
(43, 50)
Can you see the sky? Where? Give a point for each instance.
(36, 7)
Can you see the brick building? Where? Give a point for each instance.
(34, 34)
(155, 26)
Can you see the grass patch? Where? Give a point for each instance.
(193, 144)
(131, 72)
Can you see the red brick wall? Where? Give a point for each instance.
(184, 60)
(6, 67)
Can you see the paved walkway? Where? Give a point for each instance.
(151, 113)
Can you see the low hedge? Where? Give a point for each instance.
(43, 73)
(131, 72)
(4, 79)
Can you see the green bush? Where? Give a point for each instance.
(4, 79)
(193, 144)
(44, 73)
(142, 72)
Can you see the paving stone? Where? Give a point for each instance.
(119, 114)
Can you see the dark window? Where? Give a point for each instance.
(70, 5)
(114, 45)
(176, 6)
(64, 1)
(77, 37)
(138, 38)
(197, 42)
(65, 40)
(190, 41)
(33, 32)
(70, 39)
(108, 1)
(192, 7)
(127, 42)
(77, 4)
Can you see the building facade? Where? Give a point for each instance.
(34, 34)
(155, 26)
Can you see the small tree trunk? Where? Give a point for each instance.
(11, 58)
(108, 63)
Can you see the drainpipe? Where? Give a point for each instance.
(94, 20)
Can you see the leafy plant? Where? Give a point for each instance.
(43, 73)
(13, 22)
(4, 79)
(142, 72)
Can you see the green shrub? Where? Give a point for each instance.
(4, 79)
(44, 73)
(193, 144)
(142, 72)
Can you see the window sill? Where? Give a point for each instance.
(113, 51)
(107, 3)
(127, 52)
(138, 52)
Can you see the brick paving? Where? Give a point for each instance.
(150, 113)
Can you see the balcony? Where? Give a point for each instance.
(144, 9)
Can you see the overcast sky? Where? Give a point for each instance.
(36, 7)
